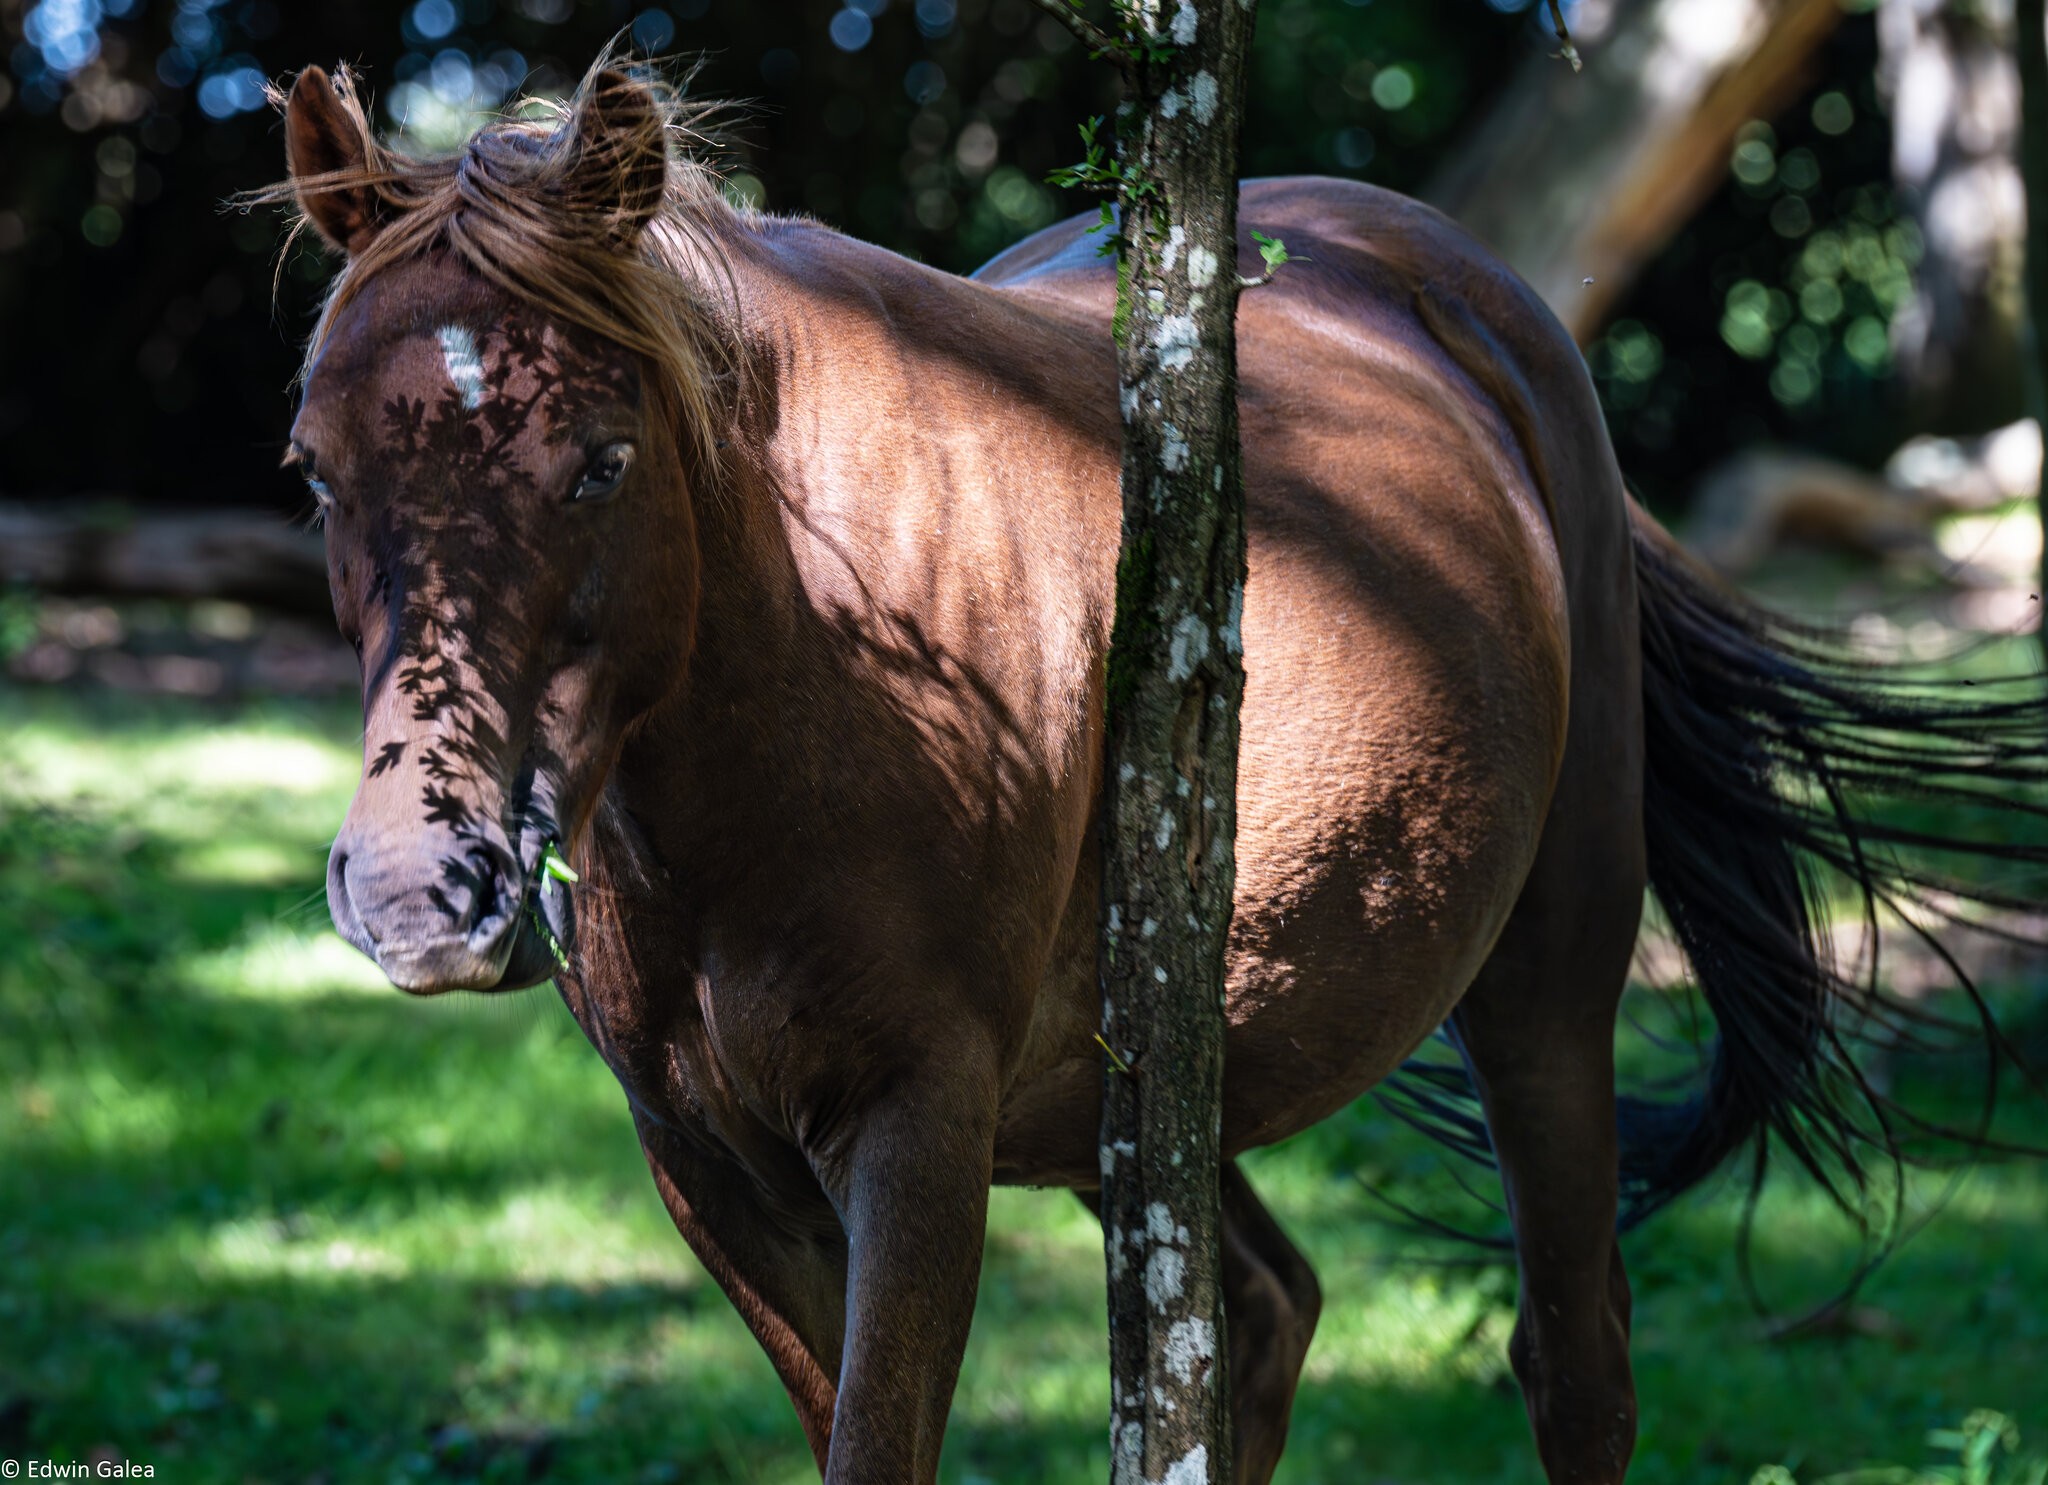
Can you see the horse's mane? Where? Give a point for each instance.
(531, 204)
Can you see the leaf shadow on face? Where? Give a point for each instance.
(461, 559)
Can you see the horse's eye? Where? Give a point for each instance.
(606, 472)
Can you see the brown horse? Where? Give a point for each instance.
(766, 577)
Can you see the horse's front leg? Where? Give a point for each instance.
(910, 1178)
(784, 1270)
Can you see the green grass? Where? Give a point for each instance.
(264, 1219)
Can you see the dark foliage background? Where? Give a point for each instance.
(142, 355)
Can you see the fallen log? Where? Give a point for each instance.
(97, 547)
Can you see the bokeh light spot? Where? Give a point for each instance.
(1794, 383)
(1019, 198)
(434, 19)
(236, 87)
(1821, 301)
(1634, 352)
(977, 148)
(1754, 162)
(1833, 113)
(924, 82)
(1791, 217)
(1867, 343)
(851, 30)
(1355, 148)
(1393, 88)
(101, 226)
(1750, 319)
(1799, 170)
(653, 30)
(65, 32)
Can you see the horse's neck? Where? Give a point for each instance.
(908, 434)
(913, 536)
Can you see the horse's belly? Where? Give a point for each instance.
(1402, 734)
(1399, 754)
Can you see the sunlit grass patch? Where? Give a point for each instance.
(129, 766)
(252, 1250)
(286, 960)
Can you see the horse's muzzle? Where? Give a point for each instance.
(463, 922)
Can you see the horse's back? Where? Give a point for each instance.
(1420, 516)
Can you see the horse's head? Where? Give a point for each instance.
(498, 426)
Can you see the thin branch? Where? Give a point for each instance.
(1086, 31)
(1564, 35)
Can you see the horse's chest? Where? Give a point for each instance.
(668, 1064)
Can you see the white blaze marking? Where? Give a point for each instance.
(465, 366)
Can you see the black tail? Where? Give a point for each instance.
(1781, 771)
(1770, 760)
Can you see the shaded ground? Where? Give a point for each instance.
(263, 1219)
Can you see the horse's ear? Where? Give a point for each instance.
(618, 167)
(326, 144)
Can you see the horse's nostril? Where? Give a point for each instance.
(487, 901)
(355, 908)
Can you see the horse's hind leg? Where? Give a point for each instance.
(1271, 1302)
(1538, 1032)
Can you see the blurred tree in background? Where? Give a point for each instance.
(143, 357)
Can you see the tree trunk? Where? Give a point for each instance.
(1947, 71)
(2030, 25)
(1175, 680)
(1578, 179)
